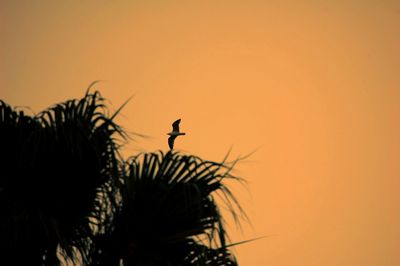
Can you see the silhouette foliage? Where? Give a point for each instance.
(67, 194)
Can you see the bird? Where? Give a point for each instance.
(174, 133)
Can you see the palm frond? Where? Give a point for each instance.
(60, 172)
(169, 215)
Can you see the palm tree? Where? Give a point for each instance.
(168, 214)
(59, 171)
(65, 191)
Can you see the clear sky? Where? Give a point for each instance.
(314, 85)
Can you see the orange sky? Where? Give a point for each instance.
(314, 85)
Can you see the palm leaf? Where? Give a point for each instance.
(60, 173)
(169, 215)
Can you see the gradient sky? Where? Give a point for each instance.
(314, 86)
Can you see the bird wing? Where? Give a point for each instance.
(175, 125)
(171, 142)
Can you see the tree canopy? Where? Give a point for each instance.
(66, 194)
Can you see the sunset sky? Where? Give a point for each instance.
(313, 87)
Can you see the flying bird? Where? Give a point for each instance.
(174, 133)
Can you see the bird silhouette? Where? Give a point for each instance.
(174, 133)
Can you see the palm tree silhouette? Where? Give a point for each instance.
(67, 194)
